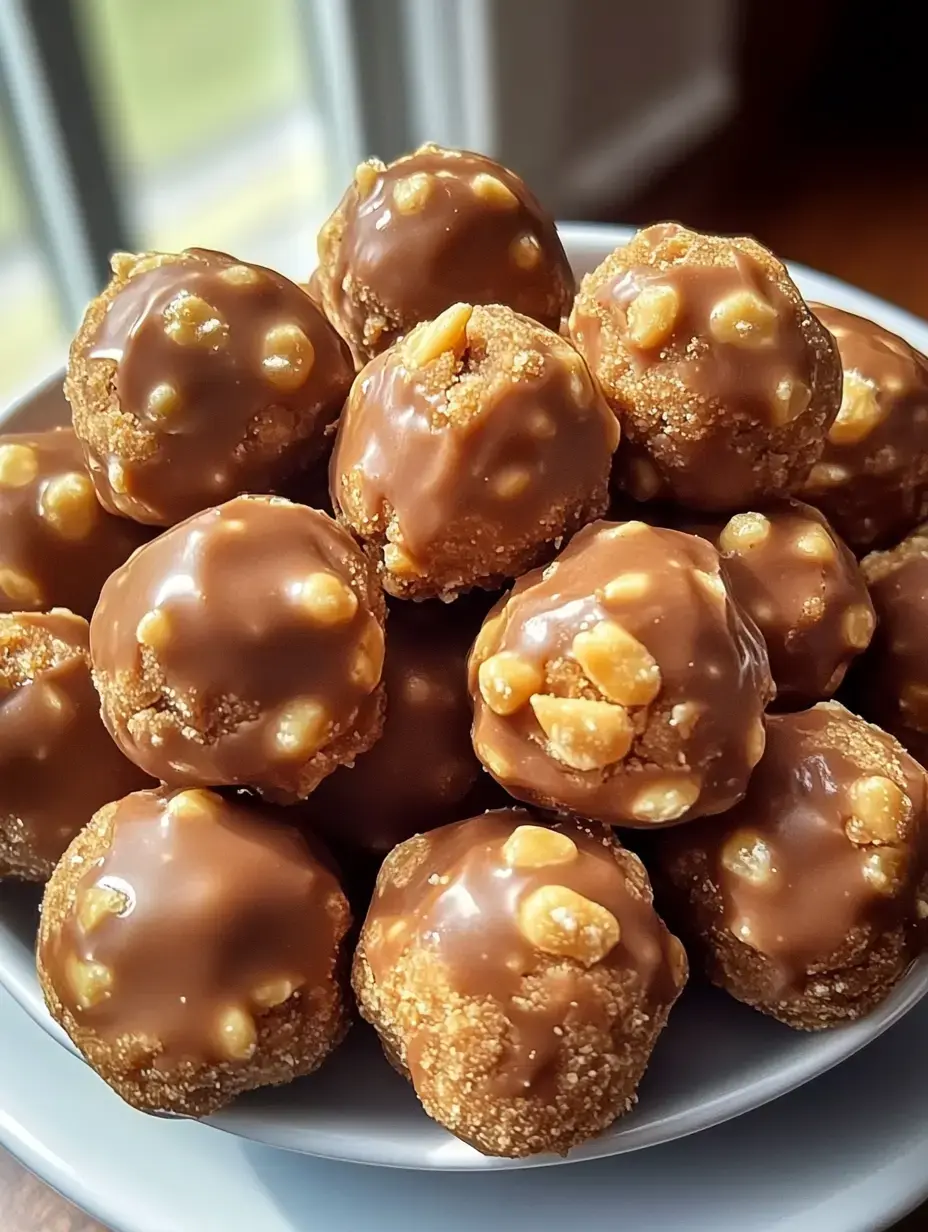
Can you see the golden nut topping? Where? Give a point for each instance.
(493, 191)
(163, 400)
(97, 903)
(69, 505)
(624, 529)
(713, 585)
(652, 315)
(884, 870)
(757, 742)
(816, 544)
(626, 588)
(191, 322)
(790, 399)
(236, 1034)
(559, 921)
(273, 993)
(538, 847)
(749, 857)
(448, 332)
(857, 625)
(366, 175)
(326, 599)
(668, 801)
(494, 761)
(288, 357)
(679, 963)
(525, 252)
(618, 664)
(511, 482)
(487, 637)
(859, 413)
(411, 193)
(684, 717)
(20, 589)
(90, 982)
(116, 477)
(743, 532)
(507, 682)
(239, 275)
(367, 667)
(123, 263)
(743, 319)
(194, 804)
(302, 729)
(879, 810)
(18, 465)
(586, 735)
(398, 562)
(154, 629)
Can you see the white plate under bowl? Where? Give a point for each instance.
(716, 1060)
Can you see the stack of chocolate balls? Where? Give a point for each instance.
(592, 568)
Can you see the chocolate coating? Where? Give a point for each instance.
(872, 478)
(892, 682)
(621, 683)
(433, 228)
(520, 976)
(58, 764)
(467, 452)
(243, 647)
(190, 946)
(807, 900)
(57, 545)
(802, 588)
(724, 380)
(195, 377)
(423, 767)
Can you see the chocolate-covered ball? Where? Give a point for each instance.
(872, 478)
(191, 947)
(802, 588)
(243, 648)
(520, 976)
(438, 226)
(891, 685)
(469, 450)
(622, 683)
(57, 544)
(808, 900)
(195, 377)
(423, 767)
(724, 380)
(58, 764)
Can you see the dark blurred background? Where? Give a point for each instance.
(236, 123)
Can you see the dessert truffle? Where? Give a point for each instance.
(872, 478)
(891, 686)
(808, 900)
(621, 683)
(724, 380)
(423, 767)
(438, 226)
(520, 976)
(195, 377)
(243, 648)
(191, 947)
(469, 450)
(58, 764)
(803, 589)
(57, 544)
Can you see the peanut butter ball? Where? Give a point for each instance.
(438, 226)
(191, 947)
(802, 588)
(621, 683)
(195, 377)
(469, 450)
(520, 976)
(57, 544)
(808, 900)
(58, 764)
(423, 768)
(725, 382)
(243, 647)
(891, 684)
(872, 478)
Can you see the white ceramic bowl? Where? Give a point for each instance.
(716, 1060)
